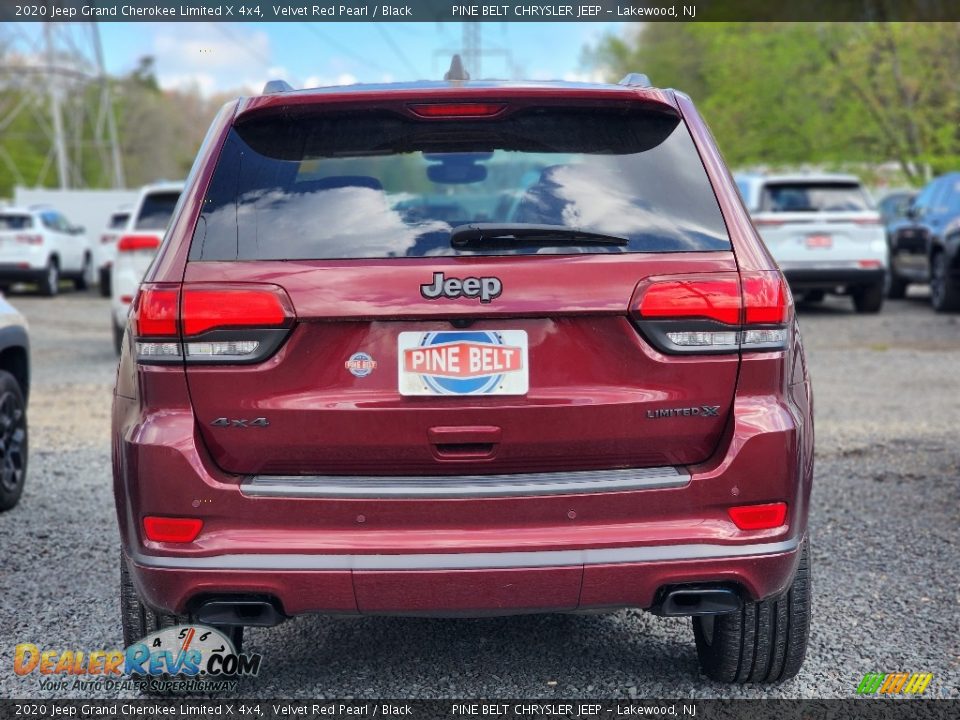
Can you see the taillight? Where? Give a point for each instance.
(457, 110)
(132, 243)
(211, 323)
(767, 222)
(30, 239)
(714, 312)
(758, 517)
(107, 239)
(873, 220)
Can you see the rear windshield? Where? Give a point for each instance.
(379, 185)
(156, 211)
(16, 222)
(118, 221)
(814, 197)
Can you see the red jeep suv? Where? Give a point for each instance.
(466, 348)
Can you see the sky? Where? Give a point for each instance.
(218, 57)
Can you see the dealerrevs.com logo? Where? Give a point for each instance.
(192, 658)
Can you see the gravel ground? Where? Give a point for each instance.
(885, 529)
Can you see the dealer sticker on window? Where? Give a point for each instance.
(463, 362)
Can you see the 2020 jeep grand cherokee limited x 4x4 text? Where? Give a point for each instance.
(466, 348)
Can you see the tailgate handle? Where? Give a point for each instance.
(465, 441)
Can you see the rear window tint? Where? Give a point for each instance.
(156, 211)
(814, 197)
(379, 185)
(16, 222)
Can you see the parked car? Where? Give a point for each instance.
(335, 396)
(14, 392)
(38, 244)
(107, 249)
(924, 245)
(824, 232)
(137, 247)
(893, 205)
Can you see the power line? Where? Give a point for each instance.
(346, 49)
(414, 73)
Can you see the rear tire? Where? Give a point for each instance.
(138, 620)
(117, 339)
(897, 290)
(50, 282)
(13, 441)
(868, 298)
(80, 282)
(104, 282)
(765, 642)
(944, 289)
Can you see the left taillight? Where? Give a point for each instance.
(714, 312)
(210, 323)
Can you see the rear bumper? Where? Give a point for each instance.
(456, 554)
(801, 276)
(10, 273)
(468, 584)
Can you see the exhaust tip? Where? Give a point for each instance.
(230, 611)
(684, 602)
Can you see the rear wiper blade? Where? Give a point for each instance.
(514, 235)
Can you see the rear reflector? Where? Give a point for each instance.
(131, 243)
(455, 110)
(217, 307)
(712, 297)
(870, 264)
(758, 517)
(172, 530)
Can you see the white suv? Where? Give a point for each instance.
(38, 244)
(106, 251)
(824, 232)
(137, 247)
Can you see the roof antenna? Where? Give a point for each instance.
(456, 71)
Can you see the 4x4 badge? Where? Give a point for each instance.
(485, 288)
(240, 422)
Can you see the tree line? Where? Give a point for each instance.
(792, 94)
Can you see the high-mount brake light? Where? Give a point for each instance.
(210, 323)
(714, 312)
(457, 109)
(758, 517)
(132, 243)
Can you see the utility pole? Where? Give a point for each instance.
(53, 85)
(57, 77)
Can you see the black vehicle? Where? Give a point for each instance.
(14, 391)
(924, 244)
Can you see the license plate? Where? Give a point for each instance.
(819, 241)
(463, 362)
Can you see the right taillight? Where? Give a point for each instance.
(132, 243)
(714, 312)
(210, 323)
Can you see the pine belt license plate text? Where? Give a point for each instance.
(463, 362)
